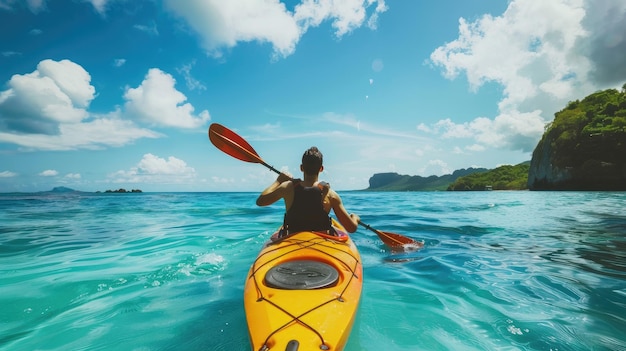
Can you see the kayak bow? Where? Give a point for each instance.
(303, 291)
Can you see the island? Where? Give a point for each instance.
(122, 190)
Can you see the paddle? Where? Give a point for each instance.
(234, 145)
(393, 240)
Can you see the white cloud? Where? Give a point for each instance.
(424, 128)
(513, 130)
(192, 83)
(475, 147)
(71, 78)
(49, 173)
(542, 54)
(149, 29)
(345, 15)
(47, 110)
(223, 24)
(154, 169)
(99, 5)
(107, 130)
(119, 62)
(73, 176)
(96, 134)
(152, 164)
(7, 174)
(457, 150)
(436, 167)
(156, 101)
(57, 92)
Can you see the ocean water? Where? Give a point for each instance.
(165, 271)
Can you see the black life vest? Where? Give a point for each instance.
(307, 211)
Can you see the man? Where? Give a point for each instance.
(308, 202)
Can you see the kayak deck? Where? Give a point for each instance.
(302, 293)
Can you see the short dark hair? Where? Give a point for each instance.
(312, 161)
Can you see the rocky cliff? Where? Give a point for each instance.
(585, 147)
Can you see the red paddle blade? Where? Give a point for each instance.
(393, 240)
(231, 143)
(397, 240)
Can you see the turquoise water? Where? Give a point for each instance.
(165, 271)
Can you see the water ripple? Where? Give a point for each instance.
(498, 271)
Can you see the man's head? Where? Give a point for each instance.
(312, 161)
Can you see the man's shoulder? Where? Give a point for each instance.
(333, 195)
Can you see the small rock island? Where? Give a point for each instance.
(122, 190)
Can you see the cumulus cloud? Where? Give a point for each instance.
(49, 173)
(56, 92)
(152, 168)
(48, 110)
(605, 46)
(543, 54)
(223, 24)
(156, 101)
(512, 130)
(7, 174)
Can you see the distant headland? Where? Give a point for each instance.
(470, 179)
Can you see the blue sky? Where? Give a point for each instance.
(108, 94)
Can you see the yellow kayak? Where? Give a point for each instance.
(302, 292)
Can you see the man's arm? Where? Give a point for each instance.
(348, 221)
(274, 191)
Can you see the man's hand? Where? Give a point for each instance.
(283, 177)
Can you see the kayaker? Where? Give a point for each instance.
(308, 202)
